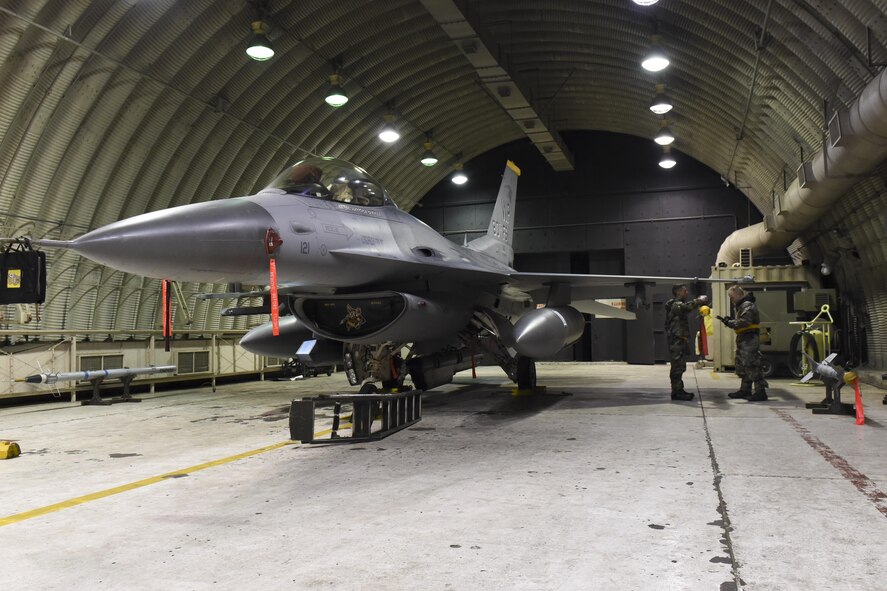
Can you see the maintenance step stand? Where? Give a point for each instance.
(397, 411)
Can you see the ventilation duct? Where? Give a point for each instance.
(856, 144)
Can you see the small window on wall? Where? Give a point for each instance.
(99, 362)
(273, 361)
(193, 362)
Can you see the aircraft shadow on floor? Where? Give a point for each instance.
(467, 396)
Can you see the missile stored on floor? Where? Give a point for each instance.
(831, 375)
(103, 374)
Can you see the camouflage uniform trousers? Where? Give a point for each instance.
(748, 361)
(677, 350)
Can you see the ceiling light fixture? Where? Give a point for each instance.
(655, 59)
(665, 136)
(389, 133)
(667, 161)
(428, 157)
(335, 94)
(645, 2)
(661, 102)
(259, 47)
(459, 177)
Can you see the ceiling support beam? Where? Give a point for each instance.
(474, 41)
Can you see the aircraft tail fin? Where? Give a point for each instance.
(500, 233)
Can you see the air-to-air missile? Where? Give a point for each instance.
(830, 375)
(103, 374)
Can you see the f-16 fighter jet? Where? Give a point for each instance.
(364, 283)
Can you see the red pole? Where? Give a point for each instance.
(272, 243)
(167, 324)
(860, 412)
(163, 306)
(275, 313)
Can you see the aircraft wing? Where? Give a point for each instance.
(600, 309)
(583, 286)
(585, 290)
(590, 287)
(529, 281)
(392, 269)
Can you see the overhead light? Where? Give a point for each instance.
(459, 176)
(655, 59)
(389, 133)
(428, 157)
(661, 102)
(645, 2)
(665, 136)
(825, 269)
(335, 94)
(260, 46)
(667, 161)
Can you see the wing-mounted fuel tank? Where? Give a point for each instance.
(371, 318)
(543, 333)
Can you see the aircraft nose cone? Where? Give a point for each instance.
(217, 241)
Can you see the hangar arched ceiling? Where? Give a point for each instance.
(111, 108)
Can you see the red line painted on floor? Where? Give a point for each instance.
(862, 482)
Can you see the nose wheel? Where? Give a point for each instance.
(526, 373)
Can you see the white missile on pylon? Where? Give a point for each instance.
(103, 374)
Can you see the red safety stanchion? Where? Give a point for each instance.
(272, 243)
(166, 312)
(860, 412)
(163, 307)
(275, 312)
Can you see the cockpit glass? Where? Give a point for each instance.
(331, 180)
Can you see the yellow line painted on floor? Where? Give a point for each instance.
(134, 485)
(714, 375)
(342, 427)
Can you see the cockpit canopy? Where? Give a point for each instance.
(332, 180)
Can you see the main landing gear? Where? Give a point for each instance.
(526, 374)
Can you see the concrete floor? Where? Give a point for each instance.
(610, 486)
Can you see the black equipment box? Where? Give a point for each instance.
(22, 276)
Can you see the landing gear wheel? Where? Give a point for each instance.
(802, 342)
(368, 388)
(768, 366)
(526, 373)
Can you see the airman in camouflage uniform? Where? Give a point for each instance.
(677, 330)
(748, 345)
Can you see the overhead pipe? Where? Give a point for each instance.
(856, 143)
(760, 41)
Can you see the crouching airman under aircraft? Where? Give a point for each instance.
(361, 281)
